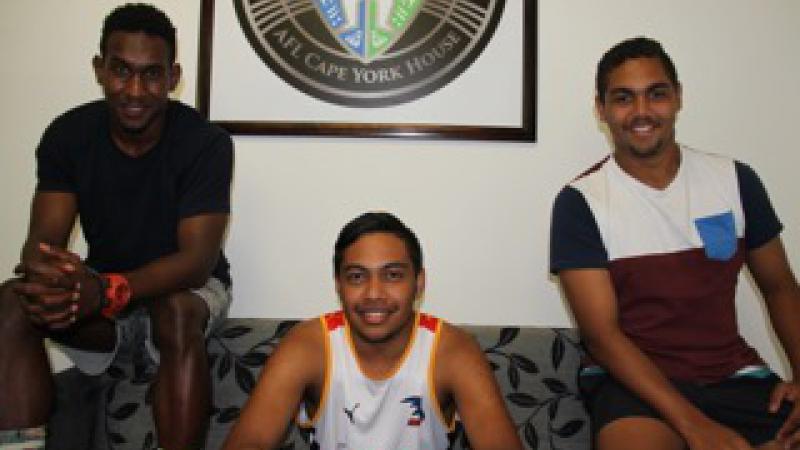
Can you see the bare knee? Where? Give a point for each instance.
(15, 323)
(637, 433)
(178, 321)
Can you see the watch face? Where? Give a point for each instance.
(118, 288)
(123, 290)
(369, 53)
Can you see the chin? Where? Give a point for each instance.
(373, 336)
(646, 152)
(133, 128)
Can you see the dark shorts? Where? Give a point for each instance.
(739, 403)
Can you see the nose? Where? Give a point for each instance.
(134, 86)
(375, 288)
(641, 104)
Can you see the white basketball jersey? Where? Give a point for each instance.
(359, 413)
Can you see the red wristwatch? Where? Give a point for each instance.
(118, 293)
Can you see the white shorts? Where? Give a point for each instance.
(134, 332)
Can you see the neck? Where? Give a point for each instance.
(379, 360)
(133, 147)
(135, 143)
(656, 171)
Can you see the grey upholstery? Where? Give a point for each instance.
(535, 367)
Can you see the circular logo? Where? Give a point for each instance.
(368, 53)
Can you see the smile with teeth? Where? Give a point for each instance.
(133, 110)
(374, 316)
(643, 128)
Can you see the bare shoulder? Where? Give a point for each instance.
(296, 365)
(455, 338)
(305, 338)
(457, 348)
(307, 329)
(300, 355)
(463, 375)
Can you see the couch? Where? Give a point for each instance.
(536, 368)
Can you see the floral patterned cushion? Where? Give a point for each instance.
(535, 367)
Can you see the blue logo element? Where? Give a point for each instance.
(718, 233)
(367, 28)
(417, 414)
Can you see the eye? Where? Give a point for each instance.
(659, 94)
(153, 73)
(355, 277)
(621, 98)
(395, 275)
(120, 71)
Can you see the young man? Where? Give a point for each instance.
(648, 245)
(377, 374)
(149, 179)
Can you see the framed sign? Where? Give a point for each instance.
(449, 69)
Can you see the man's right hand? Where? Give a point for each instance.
(86, 283)
(47, 294)
(57, 290)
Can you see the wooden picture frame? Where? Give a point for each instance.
(503, 76)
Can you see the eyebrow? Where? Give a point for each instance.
(390, 265)
(136, 67)
(654, 86)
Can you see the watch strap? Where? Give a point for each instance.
(118, 293)
(102, 284)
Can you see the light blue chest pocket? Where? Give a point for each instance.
(718, 233)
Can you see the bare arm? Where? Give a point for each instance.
(463, 372)
(47, 292)
(770, 269)
(199, 244)
(53, 215)
(297, 364)
(593, 302)
(52, 218)
(64, 290)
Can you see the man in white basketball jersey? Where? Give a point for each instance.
(648, 245)
(377, 374)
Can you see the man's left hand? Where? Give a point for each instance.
(87, 283)
(789, 434)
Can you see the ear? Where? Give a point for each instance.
(420, 283)
(99, 69)
(599, 107)
(679, 94)
(175, 76)
(338, 286)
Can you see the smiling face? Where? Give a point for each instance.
(640, 106)
(137, 76)
(378, 286)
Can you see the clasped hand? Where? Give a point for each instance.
(57, 289)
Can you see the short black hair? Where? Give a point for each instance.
(638, 47)
(139, 17)
(376, 222)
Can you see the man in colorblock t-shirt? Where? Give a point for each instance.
(648, 245)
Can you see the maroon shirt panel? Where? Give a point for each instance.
(679, 309)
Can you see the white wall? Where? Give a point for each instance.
(482, 209)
